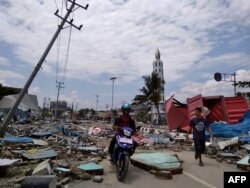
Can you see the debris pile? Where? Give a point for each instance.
(52, 153)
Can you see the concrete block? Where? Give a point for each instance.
(219, 160)
(19, 180)
(211, 151)
(98, 179)
(39, 182)
(164, 175)
(65, 181)
(153, 172)
(84, 176)
(229, 161)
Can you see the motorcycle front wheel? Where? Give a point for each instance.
(122, 167)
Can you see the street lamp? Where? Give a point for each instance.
(97, 96)
(113, 80)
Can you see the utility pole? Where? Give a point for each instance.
(42, 59)
(113, 80)
(59, 86)
(97, 103)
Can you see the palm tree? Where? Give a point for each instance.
(151, 92)
(243, 84)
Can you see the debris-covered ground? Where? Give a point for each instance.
(64, 152)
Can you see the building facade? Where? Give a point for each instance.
(57, 109)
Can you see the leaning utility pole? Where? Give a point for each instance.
(40, 62)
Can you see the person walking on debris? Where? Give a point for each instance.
(197, 126)
(124, 120)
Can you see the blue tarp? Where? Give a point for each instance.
(69, 132)
(15, 139)
(245, 140)
(231, 130)
(42, 134)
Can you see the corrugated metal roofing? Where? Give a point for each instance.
(39, 154)
(235, 108)
(15, 139)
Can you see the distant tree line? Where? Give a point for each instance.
(4, 91)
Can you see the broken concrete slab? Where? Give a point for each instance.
(98, 179)
(230, 142)
(227, 156)
(157, 161)
(92, 168)
(244, 163)
(40, 142)
(89, 149)
(43, 168)
(65, 181)
(84, 176)
(19, 180)
(39, 182)
(7, 162)
(4, 164)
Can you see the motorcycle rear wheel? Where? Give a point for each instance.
(122, 167)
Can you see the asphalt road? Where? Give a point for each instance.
(194, 176)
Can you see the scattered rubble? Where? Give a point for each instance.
(60, 152)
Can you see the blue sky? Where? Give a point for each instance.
(119, 38)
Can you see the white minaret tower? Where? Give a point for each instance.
(158, 68)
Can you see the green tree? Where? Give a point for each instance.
(247, 94)
(86, 111)
(143, 116)
(243, 84)
(151, 92)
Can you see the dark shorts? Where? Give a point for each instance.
(199, 145)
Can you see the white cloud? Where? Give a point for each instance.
(119, 37)
(35, 90)
(4, 61)
(5, 74)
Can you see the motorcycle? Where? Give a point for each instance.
(123, 149)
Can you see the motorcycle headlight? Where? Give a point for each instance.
(127, 133)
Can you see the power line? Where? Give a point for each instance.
(56, 4)
(238, 67)
(67, 54)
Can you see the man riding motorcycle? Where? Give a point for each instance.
(122, 121)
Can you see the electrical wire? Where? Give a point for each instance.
(67, 55)
(56, 4)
